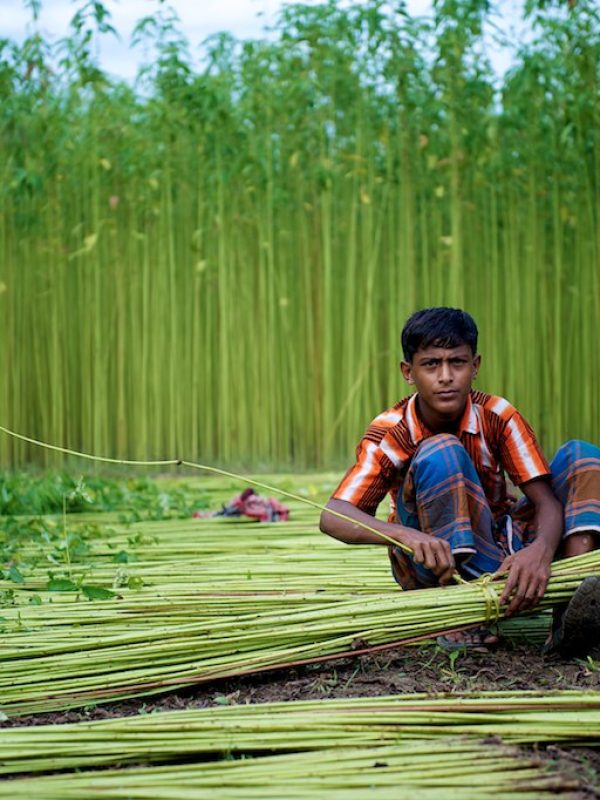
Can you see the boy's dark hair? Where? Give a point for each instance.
(438, 327)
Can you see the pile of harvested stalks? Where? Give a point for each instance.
(571, 717)
(62, 656)
(435, 770)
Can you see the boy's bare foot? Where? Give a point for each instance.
(576, 625)
(478, 640)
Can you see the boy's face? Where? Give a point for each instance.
(443, 379)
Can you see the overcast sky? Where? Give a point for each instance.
(200, 19)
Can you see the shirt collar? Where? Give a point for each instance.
(469, 422)
(415, 427)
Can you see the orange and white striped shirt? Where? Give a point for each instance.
(492, 431)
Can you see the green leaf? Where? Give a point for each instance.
(135, 583)
(122, 557)
(97, 592)
(222, 700)
(61, 585)
(35, 600)
(15, 576)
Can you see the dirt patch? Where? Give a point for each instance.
(581, 763)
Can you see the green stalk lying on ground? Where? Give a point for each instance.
(71, 666)
(570, 717)
(440, 770)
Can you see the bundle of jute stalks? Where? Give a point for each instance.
(428, 770)
(569, 717)
(61, 664)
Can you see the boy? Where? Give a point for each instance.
(441, 453)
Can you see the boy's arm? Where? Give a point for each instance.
(435, 554)
(529, 569)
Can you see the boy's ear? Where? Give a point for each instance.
(406, 370)
(476, 365)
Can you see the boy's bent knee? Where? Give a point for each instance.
(441, 441)
(575, 449)
(439, 456)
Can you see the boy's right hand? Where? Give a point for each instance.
(435, 554)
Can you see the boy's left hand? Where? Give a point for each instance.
(528, 575)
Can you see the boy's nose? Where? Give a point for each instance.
(445, 373)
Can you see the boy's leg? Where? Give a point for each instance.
(576, 483)
(442, 495)
(575, 472)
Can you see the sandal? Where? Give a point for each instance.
(576, 625)
(473, 640)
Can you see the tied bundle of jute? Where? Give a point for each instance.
(223, 635)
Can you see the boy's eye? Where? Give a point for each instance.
(454, 362)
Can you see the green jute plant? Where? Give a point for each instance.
(217, 259)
